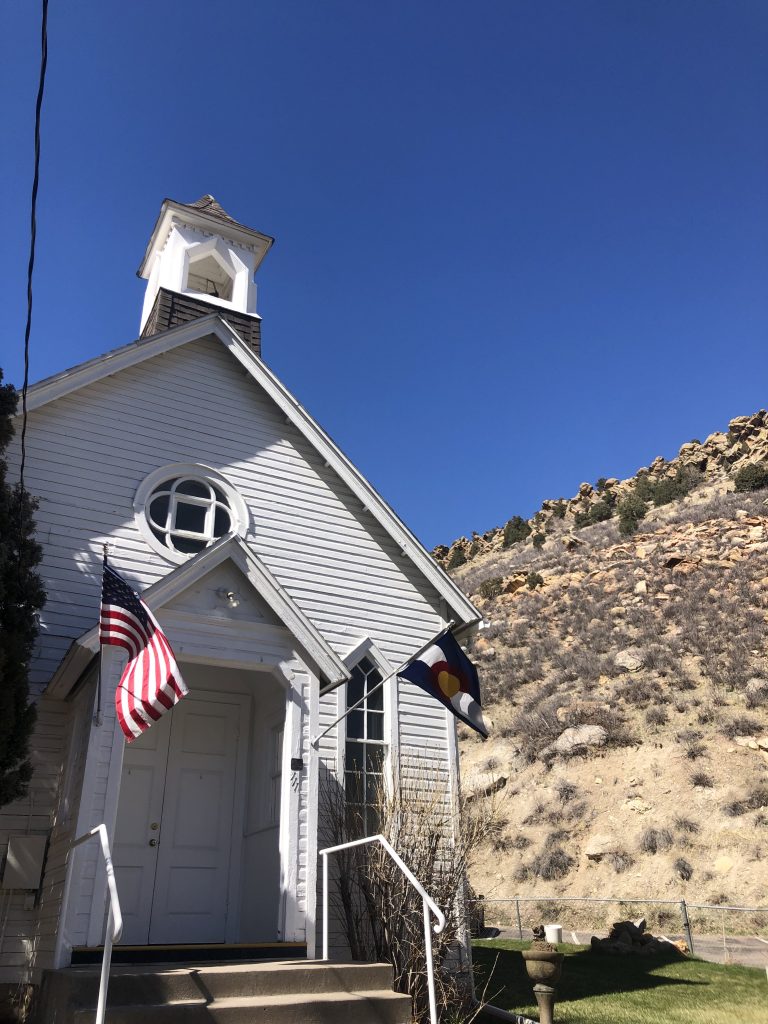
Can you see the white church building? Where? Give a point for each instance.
(287, 587)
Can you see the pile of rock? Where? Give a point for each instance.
(628, 937)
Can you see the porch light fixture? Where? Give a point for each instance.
(230, 597)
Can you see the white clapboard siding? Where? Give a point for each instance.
(23, 926)
(87, 453)
(194, 404)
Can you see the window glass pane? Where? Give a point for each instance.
(355, 725)
(354, 757)
(188, 545)
(220, 495)
(375, 725)
(372, 821)
(193, 487)
(190, 517)
(354, 787)
(158, 510)
(376, 700)
(374, 677)
(374, 759)
(354, 688)
(372, 790)
(222, 523)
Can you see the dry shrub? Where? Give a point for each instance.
(702, 780)
(379, 910)
(656, 840)
(690, 738)
(642, 691)
(755, 800)
(683, 869)
(656, 716)
(742, 725)
(686, 826)
(538, 728)
(566, 790)
(620, 860)
(552, 863)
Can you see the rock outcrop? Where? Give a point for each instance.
(715, 461)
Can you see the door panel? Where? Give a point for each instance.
(193, 864)
(141, 805)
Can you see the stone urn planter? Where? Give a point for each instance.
(544, 966)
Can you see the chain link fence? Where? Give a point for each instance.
(595, 914)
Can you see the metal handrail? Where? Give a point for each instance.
(428, 905)
(114, 926)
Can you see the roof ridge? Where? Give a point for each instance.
(208, 204)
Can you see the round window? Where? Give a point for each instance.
(188, 515)
(185, 512)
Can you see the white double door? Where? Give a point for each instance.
(176, 850)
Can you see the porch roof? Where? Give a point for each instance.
(330, 666)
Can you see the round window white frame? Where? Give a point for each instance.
(238, 510)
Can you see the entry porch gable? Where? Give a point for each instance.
(209, 628)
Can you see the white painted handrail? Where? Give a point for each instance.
(114, 927)
(427, 902)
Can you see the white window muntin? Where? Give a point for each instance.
(212, 504)
(179, 472)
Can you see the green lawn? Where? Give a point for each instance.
(617, 990)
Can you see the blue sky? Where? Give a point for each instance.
(519, 244)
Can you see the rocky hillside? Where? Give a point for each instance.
(722, 457)
(626, 680)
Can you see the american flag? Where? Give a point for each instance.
(151, 682)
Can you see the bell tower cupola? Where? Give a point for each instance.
(199, 261)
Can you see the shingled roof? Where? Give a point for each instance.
(207, 204)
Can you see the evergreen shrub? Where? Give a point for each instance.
(752, 478)
(21, 597)
(516, 529)
(631, 510)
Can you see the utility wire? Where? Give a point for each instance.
(31, 264)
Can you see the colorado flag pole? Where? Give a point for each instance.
(151, 682)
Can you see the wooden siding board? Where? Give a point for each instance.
(209, 362)
(88, 453)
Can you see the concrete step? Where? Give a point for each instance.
(137, 984)
(384, 1007)
(227, 992)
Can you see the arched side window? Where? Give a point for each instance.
(366, 747)
(368, 739)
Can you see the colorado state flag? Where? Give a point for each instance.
(445, 672)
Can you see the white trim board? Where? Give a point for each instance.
(93, 370)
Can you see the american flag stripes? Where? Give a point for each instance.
(151, 682)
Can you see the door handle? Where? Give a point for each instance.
(153, 842)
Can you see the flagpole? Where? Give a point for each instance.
(400, 668)
(98, 718)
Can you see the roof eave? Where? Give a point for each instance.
(95, 369)
(229, 229)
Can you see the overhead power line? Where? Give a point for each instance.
(32, 239)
